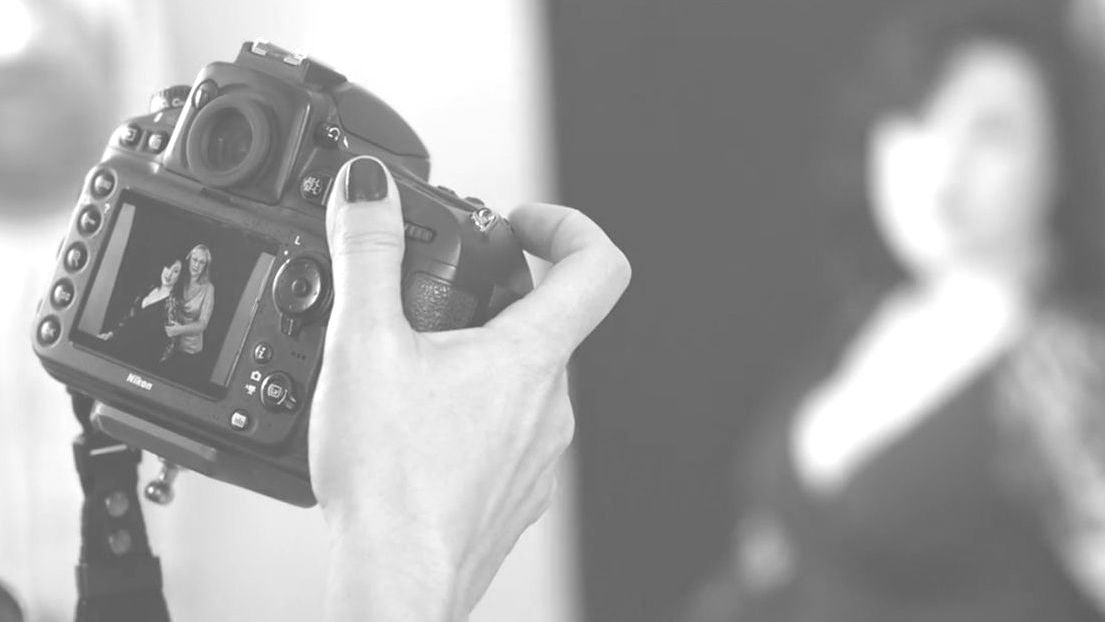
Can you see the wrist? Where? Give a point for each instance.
(400, 575)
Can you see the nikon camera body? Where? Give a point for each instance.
(193, 286)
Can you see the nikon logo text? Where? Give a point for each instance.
(139, 381)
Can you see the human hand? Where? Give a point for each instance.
(106, 336)
(431, 453)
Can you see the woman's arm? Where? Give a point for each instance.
(131, 311)
(200, 325)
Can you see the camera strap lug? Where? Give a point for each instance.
(118, 577)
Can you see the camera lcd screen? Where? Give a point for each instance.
(174, 294)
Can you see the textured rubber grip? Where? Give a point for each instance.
(432, 304)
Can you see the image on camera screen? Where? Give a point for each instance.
(174, 294)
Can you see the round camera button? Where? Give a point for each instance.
(89, 220)
(156, 141)
(49, 330)
(103, 184)
(262, 353)
(76, 257)
(61, 296)
(240, 420)
(277, 392)
(328, 134)
(299, 286)
(315, 186)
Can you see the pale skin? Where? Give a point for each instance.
(431, 453)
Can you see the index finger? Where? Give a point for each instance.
(588, 275)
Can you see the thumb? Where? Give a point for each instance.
(364, 227)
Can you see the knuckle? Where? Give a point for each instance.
(367, 242)
(621, 270)
(537, 350)
(565, 432)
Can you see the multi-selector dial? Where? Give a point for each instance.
(301, 292)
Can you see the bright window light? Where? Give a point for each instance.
(16, 28)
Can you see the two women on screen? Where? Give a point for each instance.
(163, 329)
(187, 326)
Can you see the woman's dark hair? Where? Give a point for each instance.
(181, 279)
(906, 64)
(165, 262)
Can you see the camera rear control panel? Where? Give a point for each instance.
(281, 354)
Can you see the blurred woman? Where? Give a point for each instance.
(942, 459)
(196, 305)
(140, 337)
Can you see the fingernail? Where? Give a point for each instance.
(366, 181)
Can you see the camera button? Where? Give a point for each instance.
(49, 330)
(418, 232)
(328, 134)
(277, 393)
(262, 353)
(89, 220)
(62, 294)
(155, 142)
(299, 287)
(103, 183)
(76, 257)
(240, 420)
(204, 94)
(130, 135)
(314, 187)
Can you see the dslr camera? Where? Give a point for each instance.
(193, 287)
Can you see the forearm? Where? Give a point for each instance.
(391, 580)
(193, 328)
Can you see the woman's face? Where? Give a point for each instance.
(969, 181)
(197, 264)
(170, 274)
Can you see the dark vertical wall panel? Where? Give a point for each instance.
(693, 130)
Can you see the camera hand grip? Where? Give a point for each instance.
(433, 304)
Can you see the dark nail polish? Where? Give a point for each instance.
(366, 182)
